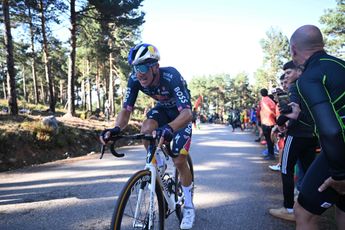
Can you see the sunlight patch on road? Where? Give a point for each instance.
(234, 154)
(222, 143)
(81, 182)
(218, 199)
(259, 162)
(254, 158)
(31, 206)
(211, 166)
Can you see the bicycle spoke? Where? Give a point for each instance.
(134, 215)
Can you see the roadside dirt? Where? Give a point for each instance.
(24, 141)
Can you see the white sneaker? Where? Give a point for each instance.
(188, 218)
(275, 167)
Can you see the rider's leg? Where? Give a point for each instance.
(312, 203)
(304, 219)
(181, 145)
(182, 167)
(340, 217)
(147, 127)
(186, 178)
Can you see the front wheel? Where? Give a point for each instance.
(132, 206)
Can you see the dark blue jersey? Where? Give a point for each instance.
(171, 91)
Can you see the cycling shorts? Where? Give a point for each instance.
(182, 137)
(310, 198)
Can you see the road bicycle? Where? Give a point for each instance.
(150, 195)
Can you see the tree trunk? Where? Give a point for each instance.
(89, 90)
(24, 85)
(11, 81)
(62, 94)
(111, 81)
(71, 65)
(49, 77)
(43, 92)
(83, 94)
(98, 99)
(4, 88)
(33, 61)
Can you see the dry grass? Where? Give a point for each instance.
(24, 140)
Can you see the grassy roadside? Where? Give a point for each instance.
(25, 141)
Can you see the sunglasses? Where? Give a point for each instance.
(144, 68)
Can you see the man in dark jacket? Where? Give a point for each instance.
(322, 87)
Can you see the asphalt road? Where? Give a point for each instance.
(233, 187)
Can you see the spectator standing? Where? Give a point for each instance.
(107, 110)
(322, 86)
(280, 135)
(300, 143)
(268, 120)
(258, 124)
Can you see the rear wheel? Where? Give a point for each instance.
(178, 189)
(124, 213)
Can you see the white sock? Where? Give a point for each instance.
(188, 196)
(289, 210)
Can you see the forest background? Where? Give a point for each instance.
(40, 74)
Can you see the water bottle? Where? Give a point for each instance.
(161, 164)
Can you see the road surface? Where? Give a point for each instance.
(233, 187)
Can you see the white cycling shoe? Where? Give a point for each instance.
(188, 218)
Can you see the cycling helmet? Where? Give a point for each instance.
(143, 54)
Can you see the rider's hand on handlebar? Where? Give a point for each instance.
(166, 134)
(107, 133)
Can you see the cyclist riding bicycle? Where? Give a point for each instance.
(170, 118)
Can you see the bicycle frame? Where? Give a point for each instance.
(155, 174)
(170, 194)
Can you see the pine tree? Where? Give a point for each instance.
(11, 81)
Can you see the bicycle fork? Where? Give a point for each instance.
(152, 189)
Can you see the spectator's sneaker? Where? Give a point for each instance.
(275, 167)
(188, 218)
(257, 140)
(282, 213)
(265, 152)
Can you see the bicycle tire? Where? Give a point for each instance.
(123, 216)
(178, 188)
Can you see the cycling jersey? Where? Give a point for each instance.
(171, 91)
(172, 96)
(322, 87)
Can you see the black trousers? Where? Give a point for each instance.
(302, 148)
(266, 130)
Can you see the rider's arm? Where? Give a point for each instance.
(122, 118)
(181, 93)
(182, 119)
(128, 103)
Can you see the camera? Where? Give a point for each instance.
(283, 101)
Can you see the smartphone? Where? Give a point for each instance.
(283, 101)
